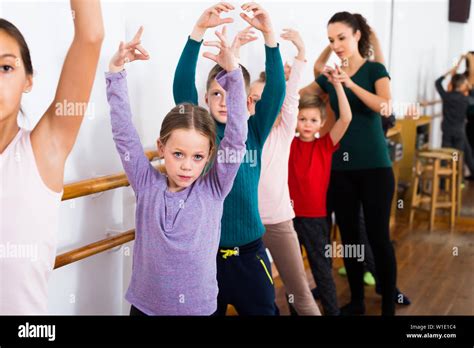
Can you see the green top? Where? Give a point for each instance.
(240, 223)
(363, 146)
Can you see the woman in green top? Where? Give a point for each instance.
(362, 170)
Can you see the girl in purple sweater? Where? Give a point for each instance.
(178, 214)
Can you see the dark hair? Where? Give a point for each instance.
(313, 101)
(14, 33)
(217, 69)
(457, 80)
(190, 116)
(468, 64)
(357, 22)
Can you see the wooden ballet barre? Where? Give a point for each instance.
(94, 248)
(425, 103)
(101, 184)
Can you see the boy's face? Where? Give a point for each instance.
(309, 123)
(256, 90)
(186, 153)
(216, 102)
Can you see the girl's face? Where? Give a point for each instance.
(13, 79)
(342, 39)
(186, 153)
(309, 123)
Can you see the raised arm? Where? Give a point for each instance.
(289, 109)
(184, 82)
(268, 107)
(222, 174)
(55, 134)
(345, 114)
(321, 62)
(139, 171)
(378, 54)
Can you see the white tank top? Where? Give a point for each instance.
(28, 225)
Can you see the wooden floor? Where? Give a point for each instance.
(467, 208)
(436, 281)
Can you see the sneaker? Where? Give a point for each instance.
(353, 308)
(369, 279)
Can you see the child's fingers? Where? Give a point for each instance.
(138, 35)
(217, 44)
(210, 56)
(246, 18)
(226, 21)
(222, 7)
(222, 37)
(249, 5)
(258, 13)
(142, 50)
(140, 56)
(226, 5)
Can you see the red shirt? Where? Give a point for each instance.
(309, 170)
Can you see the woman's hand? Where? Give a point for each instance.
(225, 58)
(128, 53)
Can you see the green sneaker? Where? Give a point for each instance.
(342, 271)
(369, 279)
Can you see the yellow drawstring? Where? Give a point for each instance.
(229, 252)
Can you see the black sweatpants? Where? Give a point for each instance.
(373, 188)
(461, 143)
(245, 280)
(313, 234)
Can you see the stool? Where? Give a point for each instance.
(459, 155)
(430, 168)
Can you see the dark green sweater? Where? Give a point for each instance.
(240, 222)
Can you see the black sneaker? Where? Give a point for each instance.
(353, 308)
(400, 297)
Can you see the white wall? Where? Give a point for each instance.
(425, 46)
(421, 51)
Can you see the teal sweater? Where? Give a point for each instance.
(240, 222)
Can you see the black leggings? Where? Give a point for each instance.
(373, 188)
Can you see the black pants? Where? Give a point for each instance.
(245, 281)
(461, 143)
(313, 234)
(373, 188)
(135, 312)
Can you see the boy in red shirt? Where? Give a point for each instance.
(309, 172)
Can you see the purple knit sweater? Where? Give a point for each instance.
(177, 234)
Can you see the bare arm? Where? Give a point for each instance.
(321, 62)
(378, 54)
(345, 116)
(56, 132)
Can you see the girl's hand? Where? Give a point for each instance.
(295, 37)
(128, 53)
(340, 77)
(225, 58)
(211, 16)
(260, 20)
(242, 38)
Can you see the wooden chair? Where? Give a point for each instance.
(432, 168)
